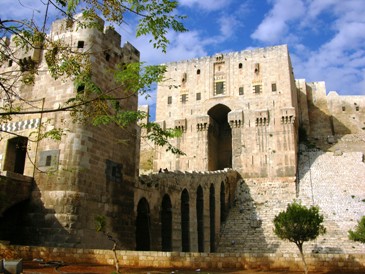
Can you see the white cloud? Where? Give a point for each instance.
(208, 5)
(276, 23)
(340, 61)
(27, 9)
(228, 25)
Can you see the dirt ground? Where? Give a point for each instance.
(30, 267)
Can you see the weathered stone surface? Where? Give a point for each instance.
(83, 175)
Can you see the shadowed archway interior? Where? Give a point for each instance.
(219, 139)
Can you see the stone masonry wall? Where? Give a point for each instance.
(175, 261)
(334, 181)
(92, 170)
(249, 96)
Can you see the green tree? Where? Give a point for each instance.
(100, 224)
(359, 233)
(100, 107)
(299, 224)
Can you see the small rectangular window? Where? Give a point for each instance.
(357, 108)
(10, 63)
(80, 44)
(198, 96)
(343, 108)
(273, 87)
(169, 100)
(48, 160)
(114, 171)
(240, 91)
(219, 88)
(257, 88)
(184, 98)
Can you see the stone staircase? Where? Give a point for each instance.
(333, 181)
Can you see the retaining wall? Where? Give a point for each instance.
(180, 260)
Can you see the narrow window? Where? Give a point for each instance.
(240, 91)
(114, 171)
(169, 100)
(343, 108)
(184, 77)
(357, 108)
(240, 65)
(273, 87)
(184, 98)
(81, 88)
(198, 96)
(198, 71)
(257, 68)
(257, 89)
(80, 44)
(219, 88)
(107, 56)
(48, 160)
(10, 63)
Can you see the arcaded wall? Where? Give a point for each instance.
(210, 193)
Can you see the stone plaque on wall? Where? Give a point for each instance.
(48, 160)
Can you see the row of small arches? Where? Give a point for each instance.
(143, 221)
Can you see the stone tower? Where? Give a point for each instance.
(235, 110)
(90, 172)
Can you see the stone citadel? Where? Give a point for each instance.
(254, 138)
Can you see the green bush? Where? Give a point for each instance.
(359, 233)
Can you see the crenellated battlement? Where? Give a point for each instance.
(153, 179)
(245, 54)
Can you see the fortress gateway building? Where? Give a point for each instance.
(236, 110)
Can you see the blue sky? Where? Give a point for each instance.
(326, 38)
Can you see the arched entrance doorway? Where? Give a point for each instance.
(16, 153)
(185, 223)
(143, 238)
(166, 224)
(219, 139)
(200, 218)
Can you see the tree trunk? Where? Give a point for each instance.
(115, 257)
(300, 246)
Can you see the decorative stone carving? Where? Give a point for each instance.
(262, 118)
(235, 118)
(287, 115)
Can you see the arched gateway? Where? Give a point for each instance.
(219, 138)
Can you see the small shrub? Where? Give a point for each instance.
(359, 233)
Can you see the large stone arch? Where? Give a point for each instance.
(219, 138)
(166, 223)
(223, 202)
(143, 226)
(200, 217)
(212, 217)
(185, 222)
